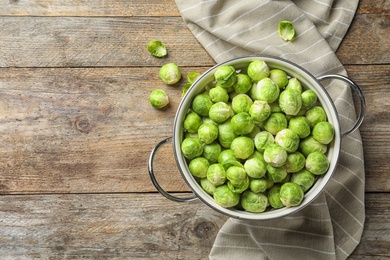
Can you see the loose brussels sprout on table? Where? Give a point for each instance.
(170, 73)
(157, 48)
(256, 138)
(159, 98)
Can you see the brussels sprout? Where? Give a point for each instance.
(265, 90)
(317, 163)
(257, 154)
(157, 48)
(286, 30)
(279, 77)
(291, 194)
(236, 175)
(211, 152)
(192, 76)
(258, 70)
(304, 178)
(275, 123)
(300, 125)
(170, 73)
(255, 167)
(201, 104)
(323, 132)
(275, 155)
(276, 174)
(225, 197)
(254, 132)
(262, 140)
(191, 147)
(260, 110)
(242, 123)
(226, 134)
(309, 145)
(239, 188)
(227, 159)
(225, 76)
(287, 139)
(315, 115)
(241, 103)
(258, 185)
(218, 94)
(290, 101)
(243, 84)
(216, 174)
(275, 108)
(274, 197)
(198, 167)
(254, 202)
(220, 112)
(192, 122)
(158, 98)
(309, 99)
(242, 147)
(208, 133)
(295, 162)
(207, 186)
(294, 84)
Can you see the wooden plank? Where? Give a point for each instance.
(92, 129)
(136, 226)
(121, 42)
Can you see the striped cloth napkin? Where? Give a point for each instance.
(331, 226)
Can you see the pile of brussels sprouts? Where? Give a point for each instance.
(256, 138)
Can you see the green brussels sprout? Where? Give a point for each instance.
(216, 174)
(208, 133)
(211, 152)
(275, 123)
(201, 104)
(192, 122)
(275, 108)
(317, 163)
(286, 30)
(220, 112)
(241, 103)
(275, 155)
(198, 167)
(225, 76)
(170, 73)
(290, 101)
(279, 77)
(262, 140)
(258, 70)
(254, 202)
(192, 147)
(157, 48)
(300, 125)
(258, 185)
(226, 134)
(236, 175)
(242, 147)
(265, 90)
(254, 132)
(225, 197)
(239, 188)
(158, 98)
(309, 145)
(309, 99)
(242, 123)
(243, 84)
(287, 139)
(304, 178)
(218, 94)
(294, 84)
(291, 194)
(323, 132)
(207, 186)
(255, 167)
(295, 162)
(192, 76)
(274, 197)
(276, 174)
(315, 115)
(260, 110)
(257, 154)
(227, 159)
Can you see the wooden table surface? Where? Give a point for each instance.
(76, 130)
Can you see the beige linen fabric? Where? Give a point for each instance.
(331, 226)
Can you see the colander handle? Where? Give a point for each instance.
(359, 92)
(153, 177)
